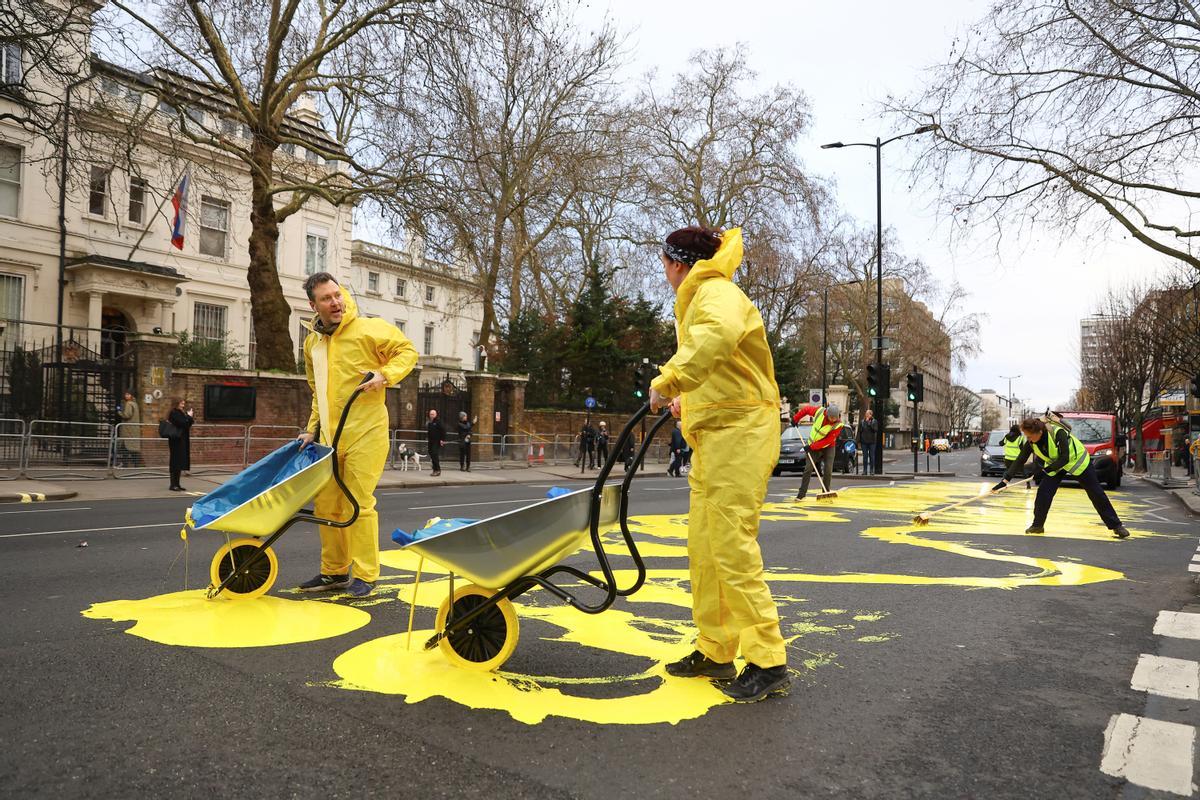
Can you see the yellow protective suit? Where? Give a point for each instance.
(725, 377)
(335, 365)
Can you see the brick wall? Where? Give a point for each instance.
(549, 423)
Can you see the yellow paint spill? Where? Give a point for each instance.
(887, 637)
(189, 619)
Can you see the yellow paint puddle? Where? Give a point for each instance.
(189, 619)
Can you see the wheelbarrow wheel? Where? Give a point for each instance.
(491, 637)
(255, 581)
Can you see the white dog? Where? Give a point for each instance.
(409, 458)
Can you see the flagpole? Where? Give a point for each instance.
(157, 211)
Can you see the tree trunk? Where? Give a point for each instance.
(268, 307)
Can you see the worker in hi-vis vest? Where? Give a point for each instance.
(1061, 454)
(1012, 442)
(822, 442)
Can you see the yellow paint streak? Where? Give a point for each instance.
(188, 619)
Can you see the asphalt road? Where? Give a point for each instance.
(961, 660)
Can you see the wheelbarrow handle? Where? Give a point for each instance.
(337, 470)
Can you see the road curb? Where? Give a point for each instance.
(32, 496)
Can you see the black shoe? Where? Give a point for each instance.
(1120, 532)
(698, 665)
(177, 489)
(756, 683)
(325, 583)
(1035, 529)
(801, 495)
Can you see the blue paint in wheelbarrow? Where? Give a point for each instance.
(403, 538)
(262, 497)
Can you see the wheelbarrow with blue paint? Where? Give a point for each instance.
(261, 502)
(504, 556)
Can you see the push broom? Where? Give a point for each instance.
(825, 494)
(923, 518)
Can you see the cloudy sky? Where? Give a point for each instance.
(848, 57)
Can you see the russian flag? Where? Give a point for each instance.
(179, 201)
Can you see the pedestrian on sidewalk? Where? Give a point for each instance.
(822, 442)
(602, 443)
(868, 431)
(1061, 454)
(721, 382)
(180, 445)
(678, 445)
(340, 353)
(464, 442)
(435, 434)
(129, 432)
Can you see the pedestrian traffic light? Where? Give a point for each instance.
(916, 387)
(639, 381)
(879, 380)
(1196, 385)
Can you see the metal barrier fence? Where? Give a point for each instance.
(53, 449)
(12, 448)
(68, 449)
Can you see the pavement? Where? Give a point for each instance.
(962, 659)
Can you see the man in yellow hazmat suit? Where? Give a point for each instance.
(342, 348)
(721, 381)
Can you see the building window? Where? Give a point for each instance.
(10, 63)
(98, 192)
(137, 200)
(312, 156)
(300, 348)
(251, 347)
(401, 289)
(400, 325)
(429, 293)
(428, 340)
(208, 322)
(12, 298)
(214, 226)
(316, 252)
(373, 282)
(288, 148)
(10, 180)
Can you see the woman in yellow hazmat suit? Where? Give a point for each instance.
(721, 381)
(342, 348)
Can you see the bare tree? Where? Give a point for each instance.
(963, 406)
(1076, 114)
(248, 79)
(510, 105)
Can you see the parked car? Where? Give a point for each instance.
(991, 456)
(939, 446)
(791, 450)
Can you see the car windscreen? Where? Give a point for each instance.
(794, 432)
(995, 437)
(1090, 431)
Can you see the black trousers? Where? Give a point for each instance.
(435, 452)
(1090, 483)
(464, 455)
(868, 457)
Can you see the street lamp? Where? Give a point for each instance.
(878, 145)
(1010, 379)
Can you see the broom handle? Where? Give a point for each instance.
(973, 499)
(816, 471)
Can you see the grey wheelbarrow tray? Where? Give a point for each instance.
(514, 552)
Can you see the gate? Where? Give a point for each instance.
(448, 398)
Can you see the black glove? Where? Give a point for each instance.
(1001, 485)
(808, 450)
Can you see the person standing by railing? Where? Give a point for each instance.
(464, 442)
(129, 443)
(180, 446)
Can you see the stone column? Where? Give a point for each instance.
(516, 402)
(483, 409)
(155, 356)
(95, 315)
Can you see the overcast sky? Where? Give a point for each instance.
(847, 57)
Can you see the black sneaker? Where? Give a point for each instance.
(1035, 529)
(756, 683)
(698, 665)
(1120, 532)
(325, 583)
(360, 588)
(801, 495)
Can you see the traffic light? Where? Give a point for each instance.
(1196, 385)
(879, 380)
(916, 387)
(639, 381)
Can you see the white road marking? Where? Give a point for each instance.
(1169, 677)
(1149, 753)
(175, 524)
(1193, 567)
(397, 494)
(488, 503)
(666, 489)
(44, 510)
(1179, 624)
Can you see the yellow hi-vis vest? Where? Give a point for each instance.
(1077, 461)
(819, 427)
(1012, 448)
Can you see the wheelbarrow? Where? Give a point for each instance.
(503, 557)
(262, 502)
